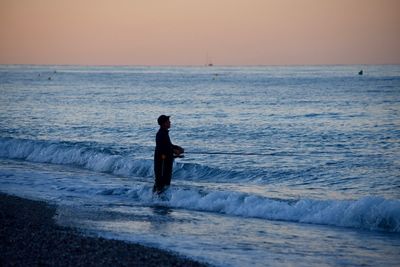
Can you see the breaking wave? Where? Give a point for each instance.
(73, 154)
(371, 213)
(99, 160)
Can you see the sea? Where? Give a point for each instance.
(283, 166)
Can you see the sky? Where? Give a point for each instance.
(192, 32)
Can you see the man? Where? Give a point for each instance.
(164, 155)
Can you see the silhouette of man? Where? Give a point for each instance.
(164, 155)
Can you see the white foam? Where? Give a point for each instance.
(89, 158)
(77, 155)
(374, 213)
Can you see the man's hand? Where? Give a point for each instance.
(178, 151)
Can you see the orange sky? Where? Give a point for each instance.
(183, 32)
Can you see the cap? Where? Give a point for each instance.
(162, 119)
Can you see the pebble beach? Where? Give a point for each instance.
(30, 237)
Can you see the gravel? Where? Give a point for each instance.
(30, 237)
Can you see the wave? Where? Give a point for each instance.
(100, 159)
(79, 155)
(370, 213)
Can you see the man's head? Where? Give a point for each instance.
(164, 121)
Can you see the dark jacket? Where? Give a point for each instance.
(163, 160)
(163, 144)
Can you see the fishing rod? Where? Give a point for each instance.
(271, 154)
(278, 153)
(240, 153)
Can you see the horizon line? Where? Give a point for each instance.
(200, 65)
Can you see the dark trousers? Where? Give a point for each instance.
(162, 172)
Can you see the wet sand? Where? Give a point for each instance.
(30, 237)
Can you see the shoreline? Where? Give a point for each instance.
(30, 237)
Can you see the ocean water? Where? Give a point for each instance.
(284, 166)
